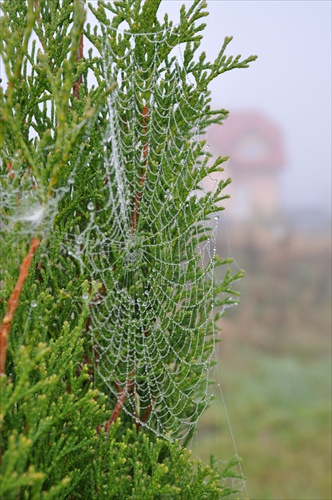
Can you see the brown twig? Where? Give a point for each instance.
(129, 384)
(145, 416)
(79, 56)
(13, 302)
(122, 396)
(138, 195)
(10, 170)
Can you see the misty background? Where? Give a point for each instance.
(290, 82)
(275, 354)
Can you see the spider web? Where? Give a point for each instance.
(150, 239)
(150, 242)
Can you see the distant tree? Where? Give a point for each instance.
(107, 260)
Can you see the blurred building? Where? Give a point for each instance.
(255, 147)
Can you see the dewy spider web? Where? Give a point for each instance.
(147, 242)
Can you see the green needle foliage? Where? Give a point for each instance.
(106, 307)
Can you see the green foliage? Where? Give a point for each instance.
(55, 401)
(49, 416)
(150, 469)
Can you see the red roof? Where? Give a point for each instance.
(250, 139)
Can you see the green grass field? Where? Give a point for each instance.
(275, 374)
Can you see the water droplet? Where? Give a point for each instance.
(85, 296)
(71, 181)
(33, 303)
(91, 206)
(216, 217)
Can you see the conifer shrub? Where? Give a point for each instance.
(108, 297)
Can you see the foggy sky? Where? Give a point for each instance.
(290, 82)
